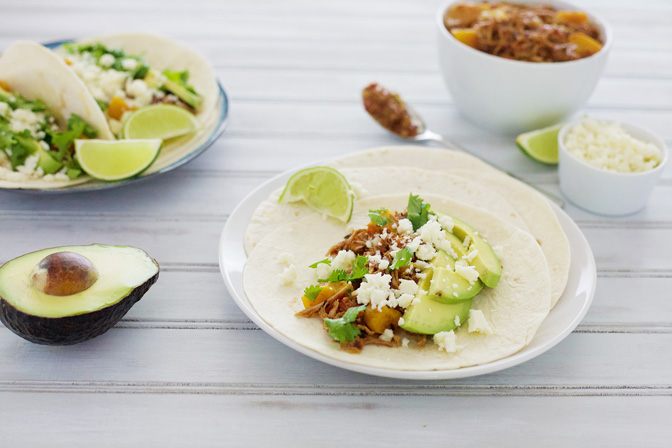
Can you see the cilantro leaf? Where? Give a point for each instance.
(359, 268)
(63, 141)
(140, 71)
(418, 211)
(337, 275)
(378, 218)
(17, 101)
(312, 291)
(342, 329)
(402, 258)
(325, 261)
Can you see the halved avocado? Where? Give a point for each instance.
(88, 290)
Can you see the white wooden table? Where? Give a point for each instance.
(187, 368)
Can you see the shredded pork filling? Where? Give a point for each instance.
(374, 240)
(534, 33)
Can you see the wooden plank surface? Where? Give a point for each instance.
(186, 367)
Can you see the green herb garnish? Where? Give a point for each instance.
(312, 291)
(378, 218)
(337, 275)
(16, 101)
(402, 258)
(17, 146)
(325, 261)
(63, 141)
(418, 211)
(342, 329)
(359, 269)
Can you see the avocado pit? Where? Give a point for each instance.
(64, 274)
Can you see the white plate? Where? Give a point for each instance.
(562, 319)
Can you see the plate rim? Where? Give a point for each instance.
(464, 372)
(223, 106)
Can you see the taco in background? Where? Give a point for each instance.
(43, 109)
(126, 72)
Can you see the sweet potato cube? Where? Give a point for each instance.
(466, 36)
(585, 45)
(117, 107)
(578, 17)
(380, 320)
(464, 14)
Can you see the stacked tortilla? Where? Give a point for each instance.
(534, 251)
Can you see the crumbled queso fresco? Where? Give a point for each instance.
(446, 341)
(376, 288)
(607, 146)
(34, 122)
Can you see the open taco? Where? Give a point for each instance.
(128, 71)
(530, 205)
(43, 109)
(410, 283)
(399, 169)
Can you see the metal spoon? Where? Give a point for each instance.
(425, 135)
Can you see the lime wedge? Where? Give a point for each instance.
(542, 144)
(159, 121)
(116, 159)
(324, 189)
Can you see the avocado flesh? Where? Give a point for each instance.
(429, 316)
(450, 287)
(447, 286)
(485, 262)
(125, 274)
(191, 98)
(48, 164)
(457, 245)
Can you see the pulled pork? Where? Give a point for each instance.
(533, 33)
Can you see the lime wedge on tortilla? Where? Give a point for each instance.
(542, 144)
(116, 159)
(159, 121)
(324, 189)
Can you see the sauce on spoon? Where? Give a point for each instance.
(388, 109)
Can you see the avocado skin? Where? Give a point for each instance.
(70, 330)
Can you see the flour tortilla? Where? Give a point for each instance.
(514, 309)
(37, 73)
(163, 53)
(530, 204)
(372, 181)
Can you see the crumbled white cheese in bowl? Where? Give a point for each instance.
(607, 167)
(606, 145)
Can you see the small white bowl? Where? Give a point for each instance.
(510, 96)
(607, 192)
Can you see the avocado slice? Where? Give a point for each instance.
(447, 286)
(429, 316)
(123, 276)
(485, 262)
(48, 164)
(457, 245)
(191, 98)
(450, 287)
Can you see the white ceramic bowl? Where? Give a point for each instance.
(607, 192)
(510, 96)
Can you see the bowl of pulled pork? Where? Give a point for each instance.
(513, 66)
